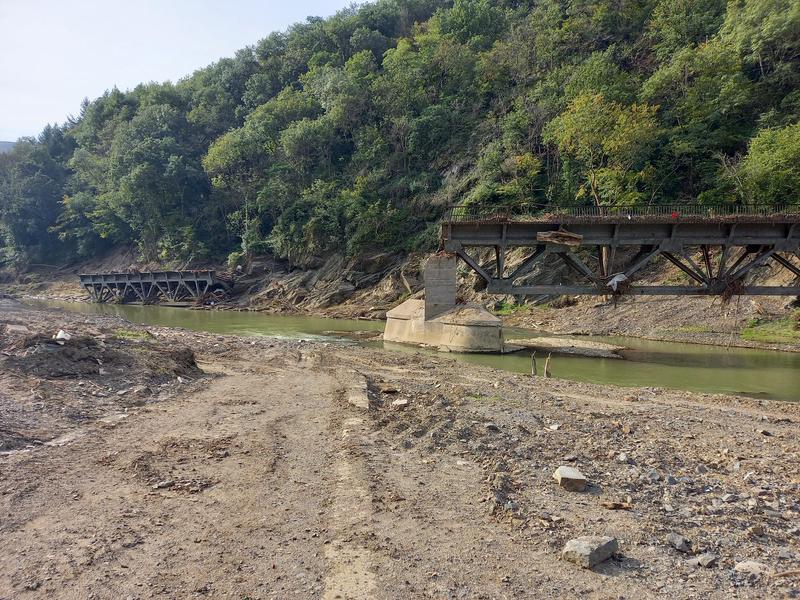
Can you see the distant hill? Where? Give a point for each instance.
(6, 146)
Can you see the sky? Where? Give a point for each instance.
(55, 53)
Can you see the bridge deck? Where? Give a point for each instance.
(717, 248)
(150, 286)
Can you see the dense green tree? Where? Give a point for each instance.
(350, 133)
(32, 177)
(770, 171)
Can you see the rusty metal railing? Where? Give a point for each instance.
(513, 212)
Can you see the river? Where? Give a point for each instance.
(711, 369)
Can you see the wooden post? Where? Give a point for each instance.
(547, 365)
(533, 364)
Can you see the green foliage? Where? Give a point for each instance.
(770, 172)
(785, 330)
(504, 308)
(611, 144)
(349, 134)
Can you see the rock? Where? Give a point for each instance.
(570, 479)
(705, 560)
(400, 403)
(751, 567)
(62, 335)
(17, 329)
(376, 263)
(588, 551)
(701, 469)
(784, 554)
(671, 480)
(680, 543)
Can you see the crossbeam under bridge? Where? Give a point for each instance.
(152, 286)
(716, 247)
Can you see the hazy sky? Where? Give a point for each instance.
(57, 52)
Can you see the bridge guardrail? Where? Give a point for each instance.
(480, 212)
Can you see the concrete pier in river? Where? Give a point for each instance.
(438, 320)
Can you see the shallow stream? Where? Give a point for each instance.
(711, 369)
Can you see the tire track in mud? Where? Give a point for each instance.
(350, 563)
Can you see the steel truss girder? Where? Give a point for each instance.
(146, 287)
(710, 280)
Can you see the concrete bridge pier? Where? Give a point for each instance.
(441, 284)
(438, 320)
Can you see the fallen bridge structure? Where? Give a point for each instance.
(717, 247)
(152, 286)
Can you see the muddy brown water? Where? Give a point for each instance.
(710, 369)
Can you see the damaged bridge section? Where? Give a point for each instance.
(717, 247)
(153, 286)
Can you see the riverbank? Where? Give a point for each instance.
(257, 477)
(382, 281)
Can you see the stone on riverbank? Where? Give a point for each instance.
(705, 560)
(679, 542)
(751, 568)
(588, 551)
(570, 479)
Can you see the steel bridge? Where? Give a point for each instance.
(152, 286)
(607, 248)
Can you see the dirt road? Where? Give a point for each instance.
(259, 479)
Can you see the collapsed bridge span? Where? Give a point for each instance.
(152, 286)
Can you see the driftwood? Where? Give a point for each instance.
(547, 365)
(533, 364)
(564, 238)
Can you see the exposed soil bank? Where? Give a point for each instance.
(257, 479)
(688, 320)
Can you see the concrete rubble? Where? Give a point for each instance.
(570, 479)
(589, 551)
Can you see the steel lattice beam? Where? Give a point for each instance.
(754, 243)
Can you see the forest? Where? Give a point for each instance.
(354, 132)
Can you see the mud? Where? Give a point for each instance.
(258, 479)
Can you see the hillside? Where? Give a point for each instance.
(6, 147)
(349, 134)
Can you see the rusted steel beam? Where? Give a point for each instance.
(146, 286)
(745, 243)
